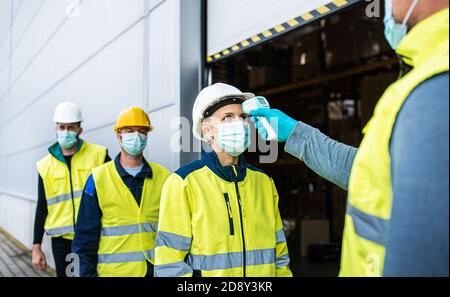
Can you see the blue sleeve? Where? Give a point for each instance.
(326, 157)
(87, 230)
(418, 235)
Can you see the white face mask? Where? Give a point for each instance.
(134, 143)
(394, 32)
(233, 138)
(67, 139)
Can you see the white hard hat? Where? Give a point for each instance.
(209, 97)
(67, 112)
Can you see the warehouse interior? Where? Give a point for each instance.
(328, 74)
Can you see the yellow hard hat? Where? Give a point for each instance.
(133, 117)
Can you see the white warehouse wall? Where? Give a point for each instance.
(108, 55)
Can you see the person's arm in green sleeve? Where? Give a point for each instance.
(328, 158)
(173, 240)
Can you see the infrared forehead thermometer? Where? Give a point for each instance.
(256, 103)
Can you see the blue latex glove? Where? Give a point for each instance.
(281, 123)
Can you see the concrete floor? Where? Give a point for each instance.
(15, 259)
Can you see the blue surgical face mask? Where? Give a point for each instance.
(233, 138)
(396, 32)
(134, 143)
(66, 139)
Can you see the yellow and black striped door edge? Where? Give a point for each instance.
(280, 29)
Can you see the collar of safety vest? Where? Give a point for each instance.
(226, 173)
(146, 171)
(428, 38)
(56, 152)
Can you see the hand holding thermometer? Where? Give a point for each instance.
(256, 103)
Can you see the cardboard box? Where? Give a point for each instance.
(347, 131)
(312, 232)
(369, 37)
(339, 42)
(339, 210)
(265, 76)
(306, 59)
(341, 109)
(372, 88)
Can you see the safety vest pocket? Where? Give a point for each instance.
(230, 213)
(59, 183)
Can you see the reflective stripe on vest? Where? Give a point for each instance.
(59, 231)
(128, 231)
(60, 187)
(216, 261)
(221, 261)
(173, 270)
(280, 236)
(63, 197)
(173, 241)
(426, 48)
(282, 261)
(367, 226)
(231, 260)
(126, 257)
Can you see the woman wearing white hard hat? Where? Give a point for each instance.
(219, 215)
(62, 175)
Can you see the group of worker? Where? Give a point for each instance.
(219, 216)
(131, 217)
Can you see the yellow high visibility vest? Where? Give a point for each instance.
(128, 230)
(370, 188)
(63, 189)
(220, 221)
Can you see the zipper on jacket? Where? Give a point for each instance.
(242, 221)
(71, 194)
(230, 214)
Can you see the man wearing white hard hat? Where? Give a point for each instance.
(219, 215)
(62, 175)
